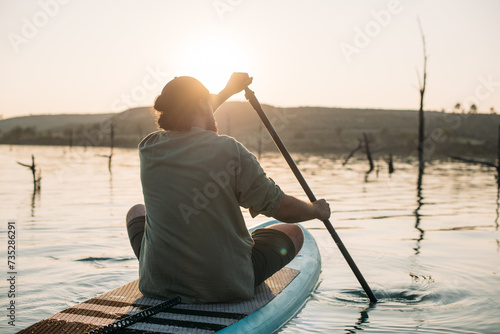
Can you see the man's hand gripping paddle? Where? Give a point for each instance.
(249, 94)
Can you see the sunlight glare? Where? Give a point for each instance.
(212, 60)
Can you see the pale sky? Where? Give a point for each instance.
(89, 56)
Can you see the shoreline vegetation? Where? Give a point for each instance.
(303, 129)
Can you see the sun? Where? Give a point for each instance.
(212, 60)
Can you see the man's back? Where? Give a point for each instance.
(196, 243)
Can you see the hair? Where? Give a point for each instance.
(177, 104)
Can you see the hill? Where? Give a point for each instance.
(51, 122)
(303, 129)
(338, 130)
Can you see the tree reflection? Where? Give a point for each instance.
(111, 188)
(34, 197)
(420, 203)
(362, 319)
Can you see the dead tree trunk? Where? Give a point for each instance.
(368, 154)
(390, 164)
(498, 161)
(485, 163)
(111, 146)
(71, 139)
(36, 178)
(421, 126)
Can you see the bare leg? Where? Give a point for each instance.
(294, 232)
(136, 219)
(136, 211)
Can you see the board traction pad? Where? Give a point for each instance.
(182, 318)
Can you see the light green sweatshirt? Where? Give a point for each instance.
(196, 244)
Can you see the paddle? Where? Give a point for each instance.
(250, 96)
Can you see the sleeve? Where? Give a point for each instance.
(254, 190)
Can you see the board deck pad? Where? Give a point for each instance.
(182, 318)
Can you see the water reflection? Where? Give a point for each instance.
(111, 188)
(420, 203)
(362, 321)
(109, 157)
(109, 163)
(34, 198)
(460, 297)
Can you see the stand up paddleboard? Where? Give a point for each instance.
(275, 301)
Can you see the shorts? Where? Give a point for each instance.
(272, 251)
(135, 229)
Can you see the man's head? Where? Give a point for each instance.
(181, 101)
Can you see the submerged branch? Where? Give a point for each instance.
(36, 178)
(349, 156)
(29, 166)
(473, 161)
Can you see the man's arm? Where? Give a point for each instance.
(294, 210)
(236, 84)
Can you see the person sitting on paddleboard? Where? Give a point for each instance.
(190, 236)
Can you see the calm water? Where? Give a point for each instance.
(431, 257)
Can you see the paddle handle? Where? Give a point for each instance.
(250, 96)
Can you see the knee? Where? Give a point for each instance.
(294, 232)
(137, 210)
(297, 237)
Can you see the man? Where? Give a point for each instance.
(193, 241)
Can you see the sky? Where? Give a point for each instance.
(89, 56)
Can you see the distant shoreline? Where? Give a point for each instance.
(317, 130)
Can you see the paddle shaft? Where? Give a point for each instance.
(250, 95)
